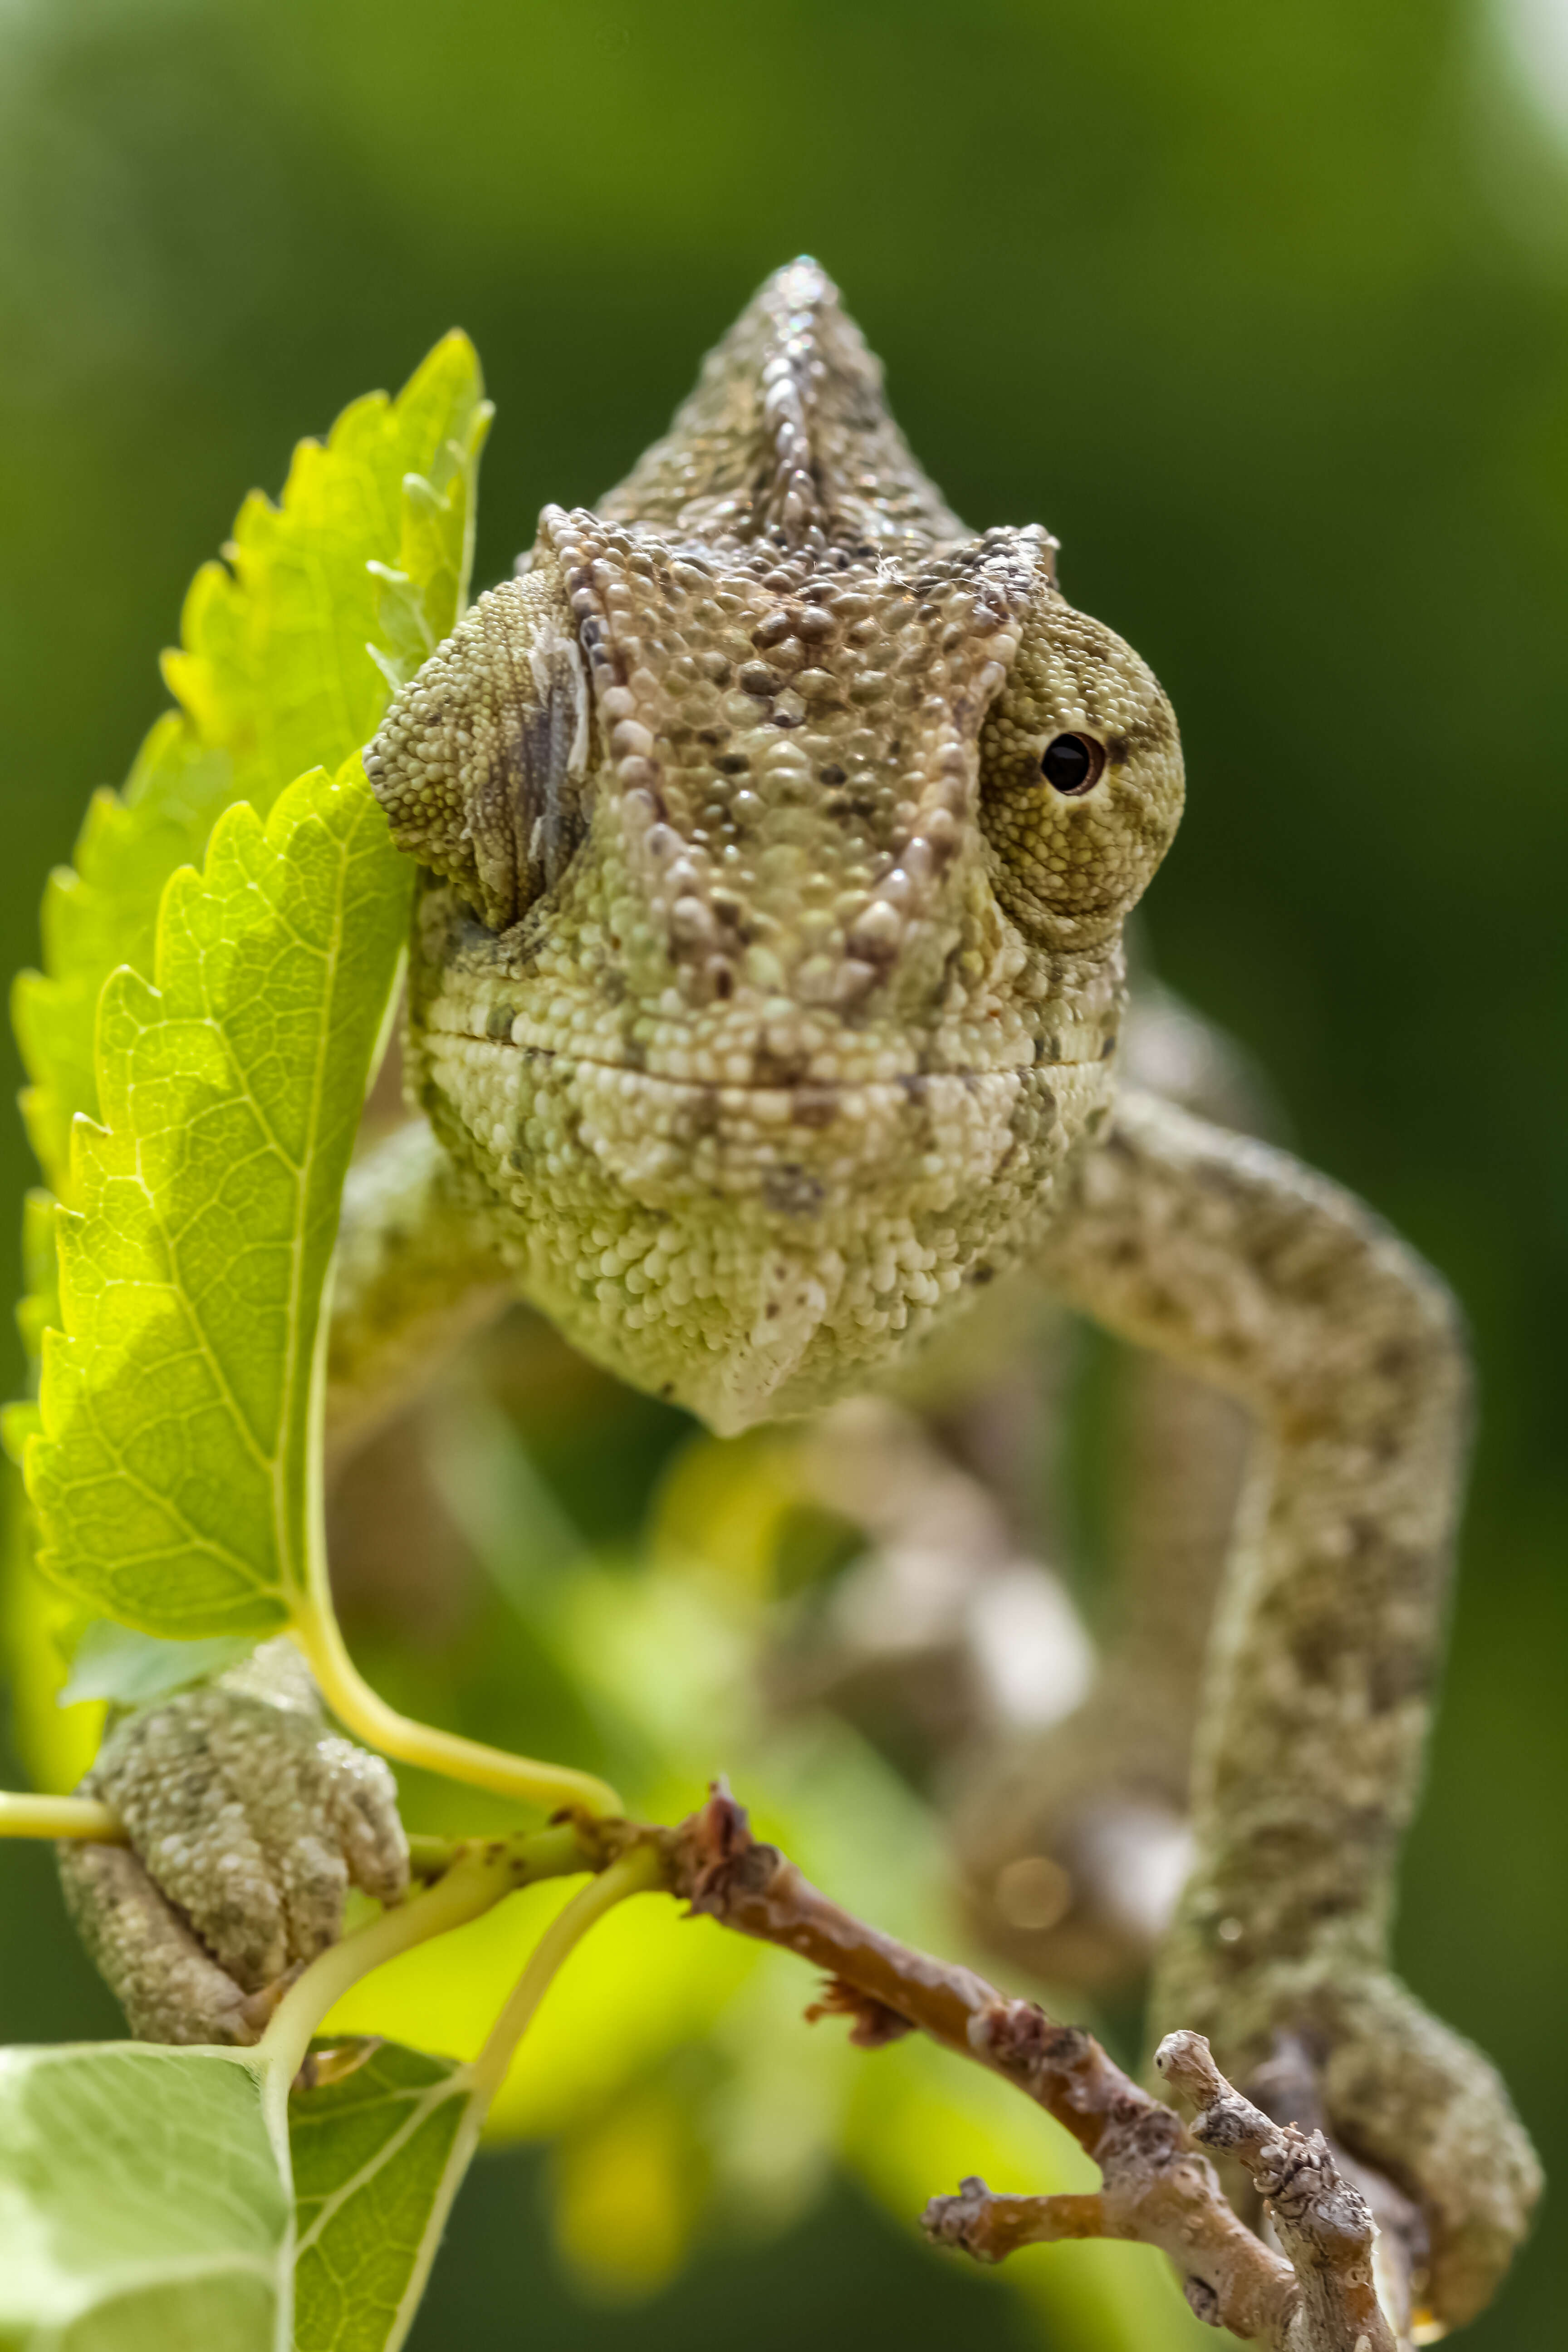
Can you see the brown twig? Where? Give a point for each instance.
(1287, 2088)
(1323, 2222)
(1157, 2188)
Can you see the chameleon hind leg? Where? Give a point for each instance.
(1072, 1840)
(1236, 1263)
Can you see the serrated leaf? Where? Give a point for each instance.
(377, 2160)
(364, 563)
(274, 661)
(169, 1473)
(287, 661)
(144, 2202)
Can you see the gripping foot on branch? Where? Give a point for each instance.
(248, 1820)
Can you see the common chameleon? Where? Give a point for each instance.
(777, 834)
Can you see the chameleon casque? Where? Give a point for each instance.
(777, 836)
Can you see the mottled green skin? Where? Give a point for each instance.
(763, 984)
(764, 1001)
(765, 1004)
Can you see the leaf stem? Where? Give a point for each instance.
(359, 1707)
(640, 1868)
(59, 1817)
(638, 1871)
(478, 1880)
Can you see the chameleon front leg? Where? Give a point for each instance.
(414, 1278)
(1231, 1258)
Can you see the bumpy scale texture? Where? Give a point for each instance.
(765, 1043)
(247, 1823)
(767, 982)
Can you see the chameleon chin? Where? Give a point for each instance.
(777, 834)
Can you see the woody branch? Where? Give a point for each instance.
(1157, 2188)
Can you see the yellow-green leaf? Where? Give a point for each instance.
(171, 1471)
(288, 652)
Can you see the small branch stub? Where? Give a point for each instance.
(1322, 2221)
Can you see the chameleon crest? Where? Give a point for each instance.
(780, 833)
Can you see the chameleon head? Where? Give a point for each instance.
(767, 970)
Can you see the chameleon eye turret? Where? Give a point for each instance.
(481, 762)
(1081, 779)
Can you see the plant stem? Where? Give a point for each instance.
(639, 1870)
(59, 1817)
(478, 1880)
(636, 1869)
(355, 1705)
(432, 1857)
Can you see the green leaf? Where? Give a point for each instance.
(287, 658)
(377, 2160)
(169, 1475)
(113, 1662)
(276, 663)
(151, 2202)
(144, 2202)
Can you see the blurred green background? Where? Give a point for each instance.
(1264, 310)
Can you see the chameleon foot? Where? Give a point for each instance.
(1404, 2094)
(248, 1820)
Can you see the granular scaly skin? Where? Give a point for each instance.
(1283, 1290)
(247, 1823)
(778, 836)
(760, 992)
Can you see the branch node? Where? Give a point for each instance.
(958, 2220)
(874, 2024)
(1317, 2295)
(1322, 2221)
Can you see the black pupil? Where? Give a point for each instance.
(1068, 763)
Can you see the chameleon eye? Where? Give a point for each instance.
(1073, 764)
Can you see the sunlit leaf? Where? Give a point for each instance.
(377, 2159)
(282, 668)
(170, 1474)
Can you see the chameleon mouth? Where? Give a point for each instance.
(786, 1083)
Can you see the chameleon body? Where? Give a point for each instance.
(777, 836)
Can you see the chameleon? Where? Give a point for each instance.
(776, 837)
